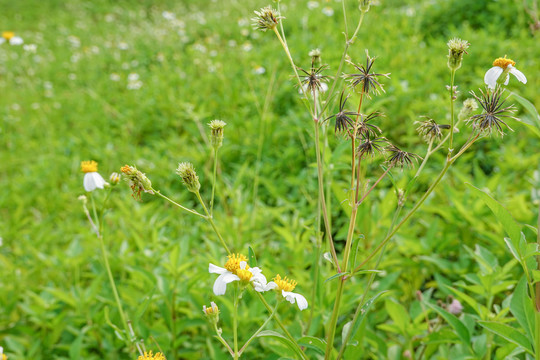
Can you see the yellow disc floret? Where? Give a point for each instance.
(233, 264)
(150, 356)
(88, 166)
(285, 284)
(8, 35)
(3, 357)
(504, 62)
(244, 274)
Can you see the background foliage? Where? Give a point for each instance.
(71, 99)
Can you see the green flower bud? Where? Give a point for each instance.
(469, 106)
(457, 48)
(216, 133)
(189, 177)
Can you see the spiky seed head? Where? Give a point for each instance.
(469, 106)
(493, 112)
(400, 158)
(430, 130)
(456, 49)
(189, 177)
(266, 19)
(216, 133)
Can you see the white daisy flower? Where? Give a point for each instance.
(10, 38)
(500, 70)
(236, 269)
(92, 179)
(286, 286)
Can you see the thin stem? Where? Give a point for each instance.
(321, 196)
(428, 154)
(537, 299)
(235, 323)
(222, 340)
(373, 187)
(177, 204)
(333, 320)
(259, 330)
(287, 52)
(208, 217)
(281, 326)
(450, 148)
(216, 152)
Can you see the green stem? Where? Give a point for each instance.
(537, 299)
(286, 48)
(235, 323)
(222, 340)
(321, 195)
(333, 320)
(282, 327)
(216, 152)
(259, 330)
(208, 217)
(177, 204)
(450, 148)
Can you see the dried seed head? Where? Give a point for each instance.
(266, 19)
(493, 112)
(137, 181)
(469, 106)
(365, 78)
(216, 132)
(456, 49)
(189, 177)
(430, 130)
(400, 158)
(370, 146)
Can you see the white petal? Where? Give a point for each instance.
(2, 40)
(507, 79)
(16, 41)
(220, 285)
(492, 75)
(292, 297)
(92, 181)
(518, 74)
(262, 287)
(243, 265)
(213, 269)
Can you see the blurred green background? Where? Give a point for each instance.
(136, 82)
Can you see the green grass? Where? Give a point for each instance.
(59, 106)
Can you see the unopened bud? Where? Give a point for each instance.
(189, 177)
(114, 179)
(469, 106)
(455, 307)
(212, 312)
(216, 133)
(315, 55)
(266, 19)
(456, 49)
(364, 5)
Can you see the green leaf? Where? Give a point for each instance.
(252, 259)
(458, 326)
(508, 333)
(480, 309)
(399, 315)
(522, 309)
(282, 339)
(534, 122)
(363, 313)
(337, 276)
(314, 343)
(511, 227)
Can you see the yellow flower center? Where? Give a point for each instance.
(88, 166)
(4, 357)
(233, 264)
(244, 274)
(504, 62)
(285, 284)
(209, 310)
(8, 35)
(150, 356)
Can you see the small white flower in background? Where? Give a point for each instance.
(500, 72)
(167, 15)
(31, 48)
(92, 179)
(114, 77)
(259, 70)
(133, 77)
(328, 11)
(123, 46)
(236, 269)
(286, 286)
(10, 38)
(312, 5)
(455, 307)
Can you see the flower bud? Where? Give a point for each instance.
(469, 106)
(114, 179)
(315, 56)
(189, 177)
(137, 181)
(83, 199)
(212, 312)
(364, 5)
(455, 307)
(216, 133)
(457, 48)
